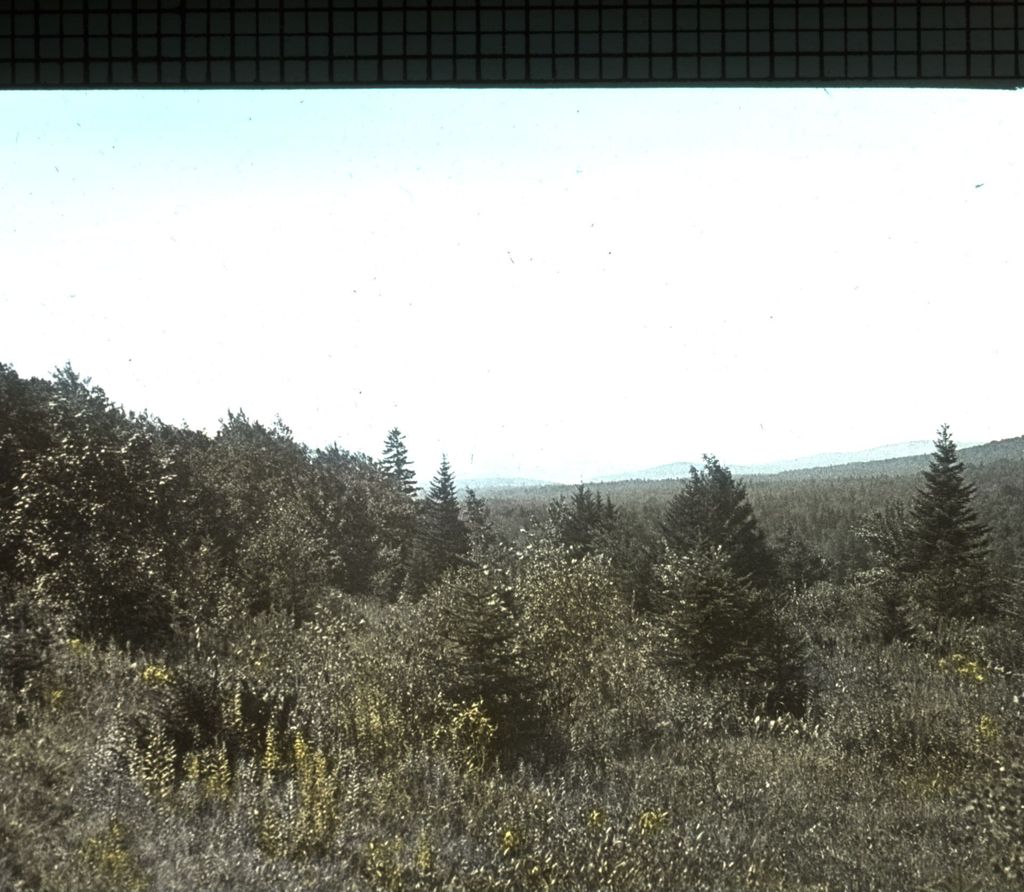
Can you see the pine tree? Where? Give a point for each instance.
(949, 546)
(712, 512)
(395, 462)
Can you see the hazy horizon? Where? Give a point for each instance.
(884, 451)
(546, 284)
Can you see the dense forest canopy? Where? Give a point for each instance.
(234, 661)
(823, 507)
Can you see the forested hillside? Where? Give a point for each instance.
(823, 507)
(237, 662)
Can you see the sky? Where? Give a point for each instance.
(553, 284)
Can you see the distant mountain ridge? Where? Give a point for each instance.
(821, 460)
(894, 460)
(1010, 449)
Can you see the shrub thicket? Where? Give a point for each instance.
(211, 677)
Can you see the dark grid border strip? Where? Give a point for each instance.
(268, 43)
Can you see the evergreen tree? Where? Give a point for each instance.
(578, 523)
(396, 462)
(398, 519)
(799, 565)
(888, 533)
(716, 626)
(477, 518)
(442, 540)
(588, 523)
(949, 545)
(894, 611)
(486, 660)
(712, 512)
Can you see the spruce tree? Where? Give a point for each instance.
(442, 540)
(395, 462)
(714, 625)
(949, 545)
(579, 523)
(486, 660)
(477, 518)
(712, 512)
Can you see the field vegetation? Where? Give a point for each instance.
(234, 662)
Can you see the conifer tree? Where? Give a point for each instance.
(716, 626)
(579, 522)
(949, 545)
(888, 534)
(486, 659)
(398, 518)
(395, 461)
(712, 512)
(442, 540)
(477, 518)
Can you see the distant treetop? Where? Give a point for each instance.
(395, 461)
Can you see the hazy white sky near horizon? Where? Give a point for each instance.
(548, 283)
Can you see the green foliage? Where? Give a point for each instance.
(91, 525)
(717, 626)
(826, 507)
(572, 611)
(949, 545)
(25, 432)
(889, 534)
(208, 681)
(470, 736)
(486, 659)
(712, 512)
(396, 464)
(587, 523)
(931, 562)
(442, 538)
(301, 820)
(110, 864)
(894, 606)
(579, 522)
(994, 812)
(261, 532)
(395, 510)
(346, 503)
(476, 516)
(1004, 634)
(799, 565)
(26, 633)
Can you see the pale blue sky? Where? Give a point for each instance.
(540, 283)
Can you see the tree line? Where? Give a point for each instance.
(294, 638)
(117, 526)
